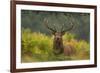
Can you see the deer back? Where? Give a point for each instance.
(69, 50)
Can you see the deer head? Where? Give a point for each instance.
(58, 41)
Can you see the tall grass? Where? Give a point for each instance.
(38, 47)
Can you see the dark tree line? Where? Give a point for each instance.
(34, 20)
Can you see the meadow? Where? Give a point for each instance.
(38, 47)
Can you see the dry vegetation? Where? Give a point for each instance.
(37, 47)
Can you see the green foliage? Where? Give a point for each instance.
(38, 47)
(35, 21)
(81, 47)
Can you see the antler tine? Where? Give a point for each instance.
(72, 25)
(46, 24)
(55, 27)
(68, 28)
(62, 27)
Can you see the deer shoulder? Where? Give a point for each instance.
(69, 50)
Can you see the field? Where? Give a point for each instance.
(37, 47)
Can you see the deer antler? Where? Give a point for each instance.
(46, 24)
(68, 29)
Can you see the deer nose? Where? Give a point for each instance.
(58, 38)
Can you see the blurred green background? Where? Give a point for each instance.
(37, 40)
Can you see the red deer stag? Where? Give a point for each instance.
(58, 41)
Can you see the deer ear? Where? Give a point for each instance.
(53, 33)
(62, 33)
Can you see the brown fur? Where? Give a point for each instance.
(58, 44)
(69, 50)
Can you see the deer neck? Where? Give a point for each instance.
(58, 45)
